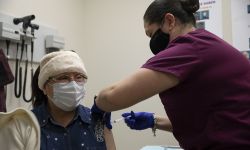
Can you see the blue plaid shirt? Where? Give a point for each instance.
(78, 135)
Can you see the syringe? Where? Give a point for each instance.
(119, 119)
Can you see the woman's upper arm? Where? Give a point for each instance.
(109, 139)
(141, 85)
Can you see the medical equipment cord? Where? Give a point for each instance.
(18, 70)
(7, 48)
(25, 72)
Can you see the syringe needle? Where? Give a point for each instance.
(119, 119)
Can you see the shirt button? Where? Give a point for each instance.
(84, 133)
(82, 144)
(44, 121)
(65, 134)
(48, 136)
(56, 139)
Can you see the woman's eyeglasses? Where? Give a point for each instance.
(65, 78)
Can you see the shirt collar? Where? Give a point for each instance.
(84, 114)
(81, 112)
(44, 114)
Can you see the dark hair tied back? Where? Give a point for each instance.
(190, 6)
(182, 9)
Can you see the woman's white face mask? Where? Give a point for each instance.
(68, 96)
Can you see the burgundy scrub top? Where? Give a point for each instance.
(210, 107)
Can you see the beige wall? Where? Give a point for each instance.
(109, 36)
(227, 21)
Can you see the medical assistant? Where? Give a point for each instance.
(210, 107)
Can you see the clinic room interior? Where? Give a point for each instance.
(110, 39)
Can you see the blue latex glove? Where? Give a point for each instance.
(99, 114)
(139, 120)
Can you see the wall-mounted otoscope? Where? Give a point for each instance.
(33, 28)
(26, 23)
(25, 20)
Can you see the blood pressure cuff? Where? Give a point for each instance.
(6, 75)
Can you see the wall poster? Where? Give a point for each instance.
(209, 16)
(241, 24)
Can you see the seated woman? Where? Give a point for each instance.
(59, 88)
(19, 130)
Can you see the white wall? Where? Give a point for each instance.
(116, 46)
(64, 15)
(110, 38)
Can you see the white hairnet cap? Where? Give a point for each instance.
(59, 62)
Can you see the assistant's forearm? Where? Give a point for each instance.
(137, 87)
(107, 102)
(117, 97)
(163, 123)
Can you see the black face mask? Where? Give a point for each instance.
(159, 41)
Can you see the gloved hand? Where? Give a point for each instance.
(99, 114)
(139, 120)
